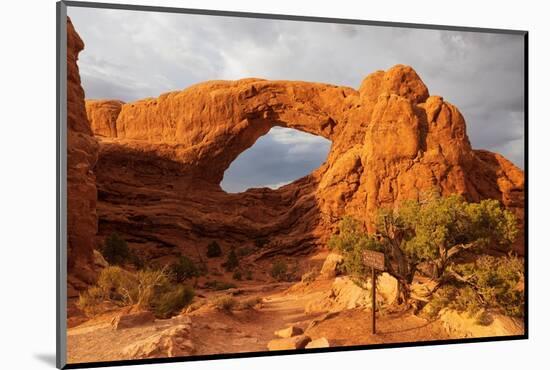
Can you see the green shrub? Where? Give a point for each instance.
(214, 250)
(183, 270)
(279, 270)
(498, 282)
(115, 250)
(225, 303)
(232, 261)
(237, 275)
(137, 261)
(261, 242)
(351, 242)
(245, 251)
(219, 285)
(167, 304)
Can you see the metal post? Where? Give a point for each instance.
(373, 281)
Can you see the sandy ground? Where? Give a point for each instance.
(214, 331)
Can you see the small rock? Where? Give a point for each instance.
(319, 343)
(291, 331)
(131, 320)
(297, 342)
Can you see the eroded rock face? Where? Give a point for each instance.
(102, 115)
(82, 150)
(161, 161)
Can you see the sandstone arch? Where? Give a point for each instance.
(159, 169)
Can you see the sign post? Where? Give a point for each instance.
(375, 260)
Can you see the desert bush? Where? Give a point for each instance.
(261, 242)
(118, 285)
(279, 270)
(137, 261)
(244, 251)
(225, 303)
(249, 303)
(489, 283)
(497, 282)
(183, 269)
(115, 250)
(150, 282)
(237, 275)
(351, 241)
(232, 261)
(213, 250)
(172, 301)
(147, 289)
(90, 301)
(219, 285)
(434, 231)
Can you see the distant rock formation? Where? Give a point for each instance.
(161, 161)
(82, 149)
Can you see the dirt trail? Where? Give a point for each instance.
(215, 331)
(250, 330)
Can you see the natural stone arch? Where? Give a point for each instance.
(391, 142)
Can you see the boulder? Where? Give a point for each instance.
(348, 294)
(291, 331)
(297, 342)
(461, 325)
(319, 343)
(171, 342)
(99, 260)
(331, 265)
(132, 320)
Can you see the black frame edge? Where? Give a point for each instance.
(227, 13)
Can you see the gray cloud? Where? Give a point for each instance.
(131, 55)
(276, 159)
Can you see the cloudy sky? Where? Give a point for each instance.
(131, 55)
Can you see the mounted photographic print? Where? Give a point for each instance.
(236, 184)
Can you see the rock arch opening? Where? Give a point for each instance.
(278, 158)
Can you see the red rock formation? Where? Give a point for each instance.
(159, 177)
(82, 149)
(102, 115)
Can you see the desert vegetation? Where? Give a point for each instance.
(145, 289)
(444, 239)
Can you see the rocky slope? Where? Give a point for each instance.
(161, 161)
(82, 150)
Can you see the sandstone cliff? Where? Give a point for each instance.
(162, 160)
(82, 150)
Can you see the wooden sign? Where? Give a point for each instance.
(374, 259)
